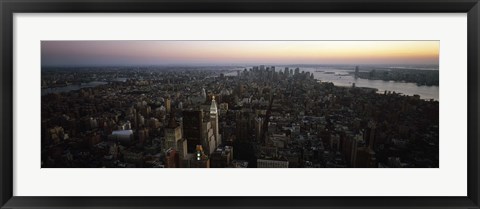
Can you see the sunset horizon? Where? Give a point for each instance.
(223, 53)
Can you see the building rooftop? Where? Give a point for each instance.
(122, 132)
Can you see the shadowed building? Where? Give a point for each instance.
(173, 133)
(200, 160)
(192, 128)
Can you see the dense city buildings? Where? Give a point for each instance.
(215, 117)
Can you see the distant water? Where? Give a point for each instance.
(72, 87)
(340, 77)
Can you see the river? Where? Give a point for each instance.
(71, 87)
(341, 77)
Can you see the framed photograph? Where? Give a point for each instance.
(237, 104)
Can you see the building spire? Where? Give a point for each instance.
(213, 106)
(214, 121)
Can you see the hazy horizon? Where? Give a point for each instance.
(430, 66)
(237, 53)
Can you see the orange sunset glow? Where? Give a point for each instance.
(238, 52)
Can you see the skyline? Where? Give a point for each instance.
(204, 53)
(260, 118)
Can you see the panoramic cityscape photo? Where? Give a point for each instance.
(240, 104)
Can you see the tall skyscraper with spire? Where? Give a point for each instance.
(214, 121)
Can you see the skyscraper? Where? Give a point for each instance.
(171, 158)
(192, 128)
(173, 134)
(214, 120)
(168, 104)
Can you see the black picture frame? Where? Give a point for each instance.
(9, 7)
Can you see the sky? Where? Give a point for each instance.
(147, 53)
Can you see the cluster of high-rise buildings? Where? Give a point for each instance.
(262, 117)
